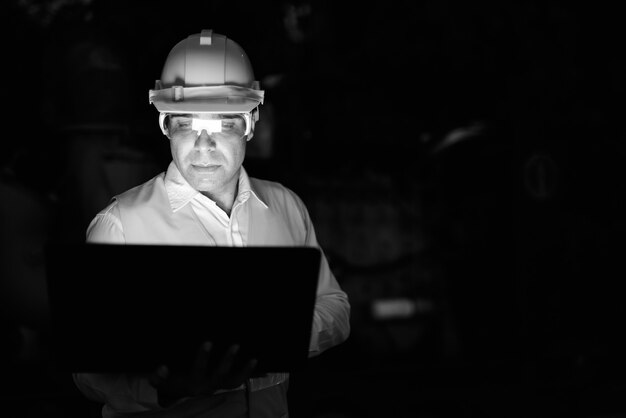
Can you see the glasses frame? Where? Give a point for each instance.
(246, 115)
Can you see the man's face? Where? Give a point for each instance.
(210, 157)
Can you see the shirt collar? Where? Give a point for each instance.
(180, 193)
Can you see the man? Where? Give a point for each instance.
(208, 102)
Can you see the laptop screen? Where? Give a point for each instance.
(130, 308)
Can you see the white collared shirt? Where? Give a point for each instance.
(222, 229)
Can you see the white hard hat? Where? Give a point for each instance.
(206, 72)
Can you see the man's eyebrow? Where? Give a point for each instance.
(221, 115)
(181, 115)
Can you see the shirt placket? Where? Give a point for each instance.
(234, 226)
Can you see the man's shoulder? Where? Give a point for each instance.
(134, 193)
(272, 190)
(269, 185)
(284, 203)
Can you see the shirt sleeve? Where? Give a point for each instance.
(331, 318)
(122, 393)
(106, 227)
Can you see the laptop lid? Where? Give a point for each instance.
(130, 308)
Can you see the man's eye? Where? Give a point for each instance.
(226, 125)
(184, 125)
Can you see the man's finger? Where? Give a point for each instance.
(159, 376)
(248, 369)
(202, 358)
(239, 377)
(226, 363)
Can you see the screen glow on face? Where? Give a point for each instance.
(211, 125)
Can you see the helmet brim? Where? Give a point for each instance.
(232, 99)
(236, 105)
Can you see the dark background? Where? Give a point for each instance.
(507, 243)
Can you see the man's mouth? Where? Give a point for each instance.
(205, 168)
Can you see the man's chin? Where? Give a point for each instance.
(204, 186)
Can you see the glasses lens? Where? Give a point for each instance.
(223, 125)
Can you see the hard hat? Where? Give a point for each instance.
(207, 72)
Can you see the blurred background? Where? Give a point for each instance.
(462, 163)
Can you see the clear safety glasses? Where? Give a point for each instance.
(232, 126)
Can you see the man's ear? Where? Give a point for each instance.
(163, 123)
(254, 118)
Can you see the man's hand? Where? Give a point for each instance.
(202, 379)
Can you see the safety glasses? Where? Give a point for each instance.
(232, 126)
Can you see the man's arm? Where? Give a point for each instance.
(331, 318)
(106, 227)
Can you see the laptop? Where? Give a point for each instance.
(131, 308)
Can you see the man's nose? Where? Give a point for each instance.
(205, 142)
